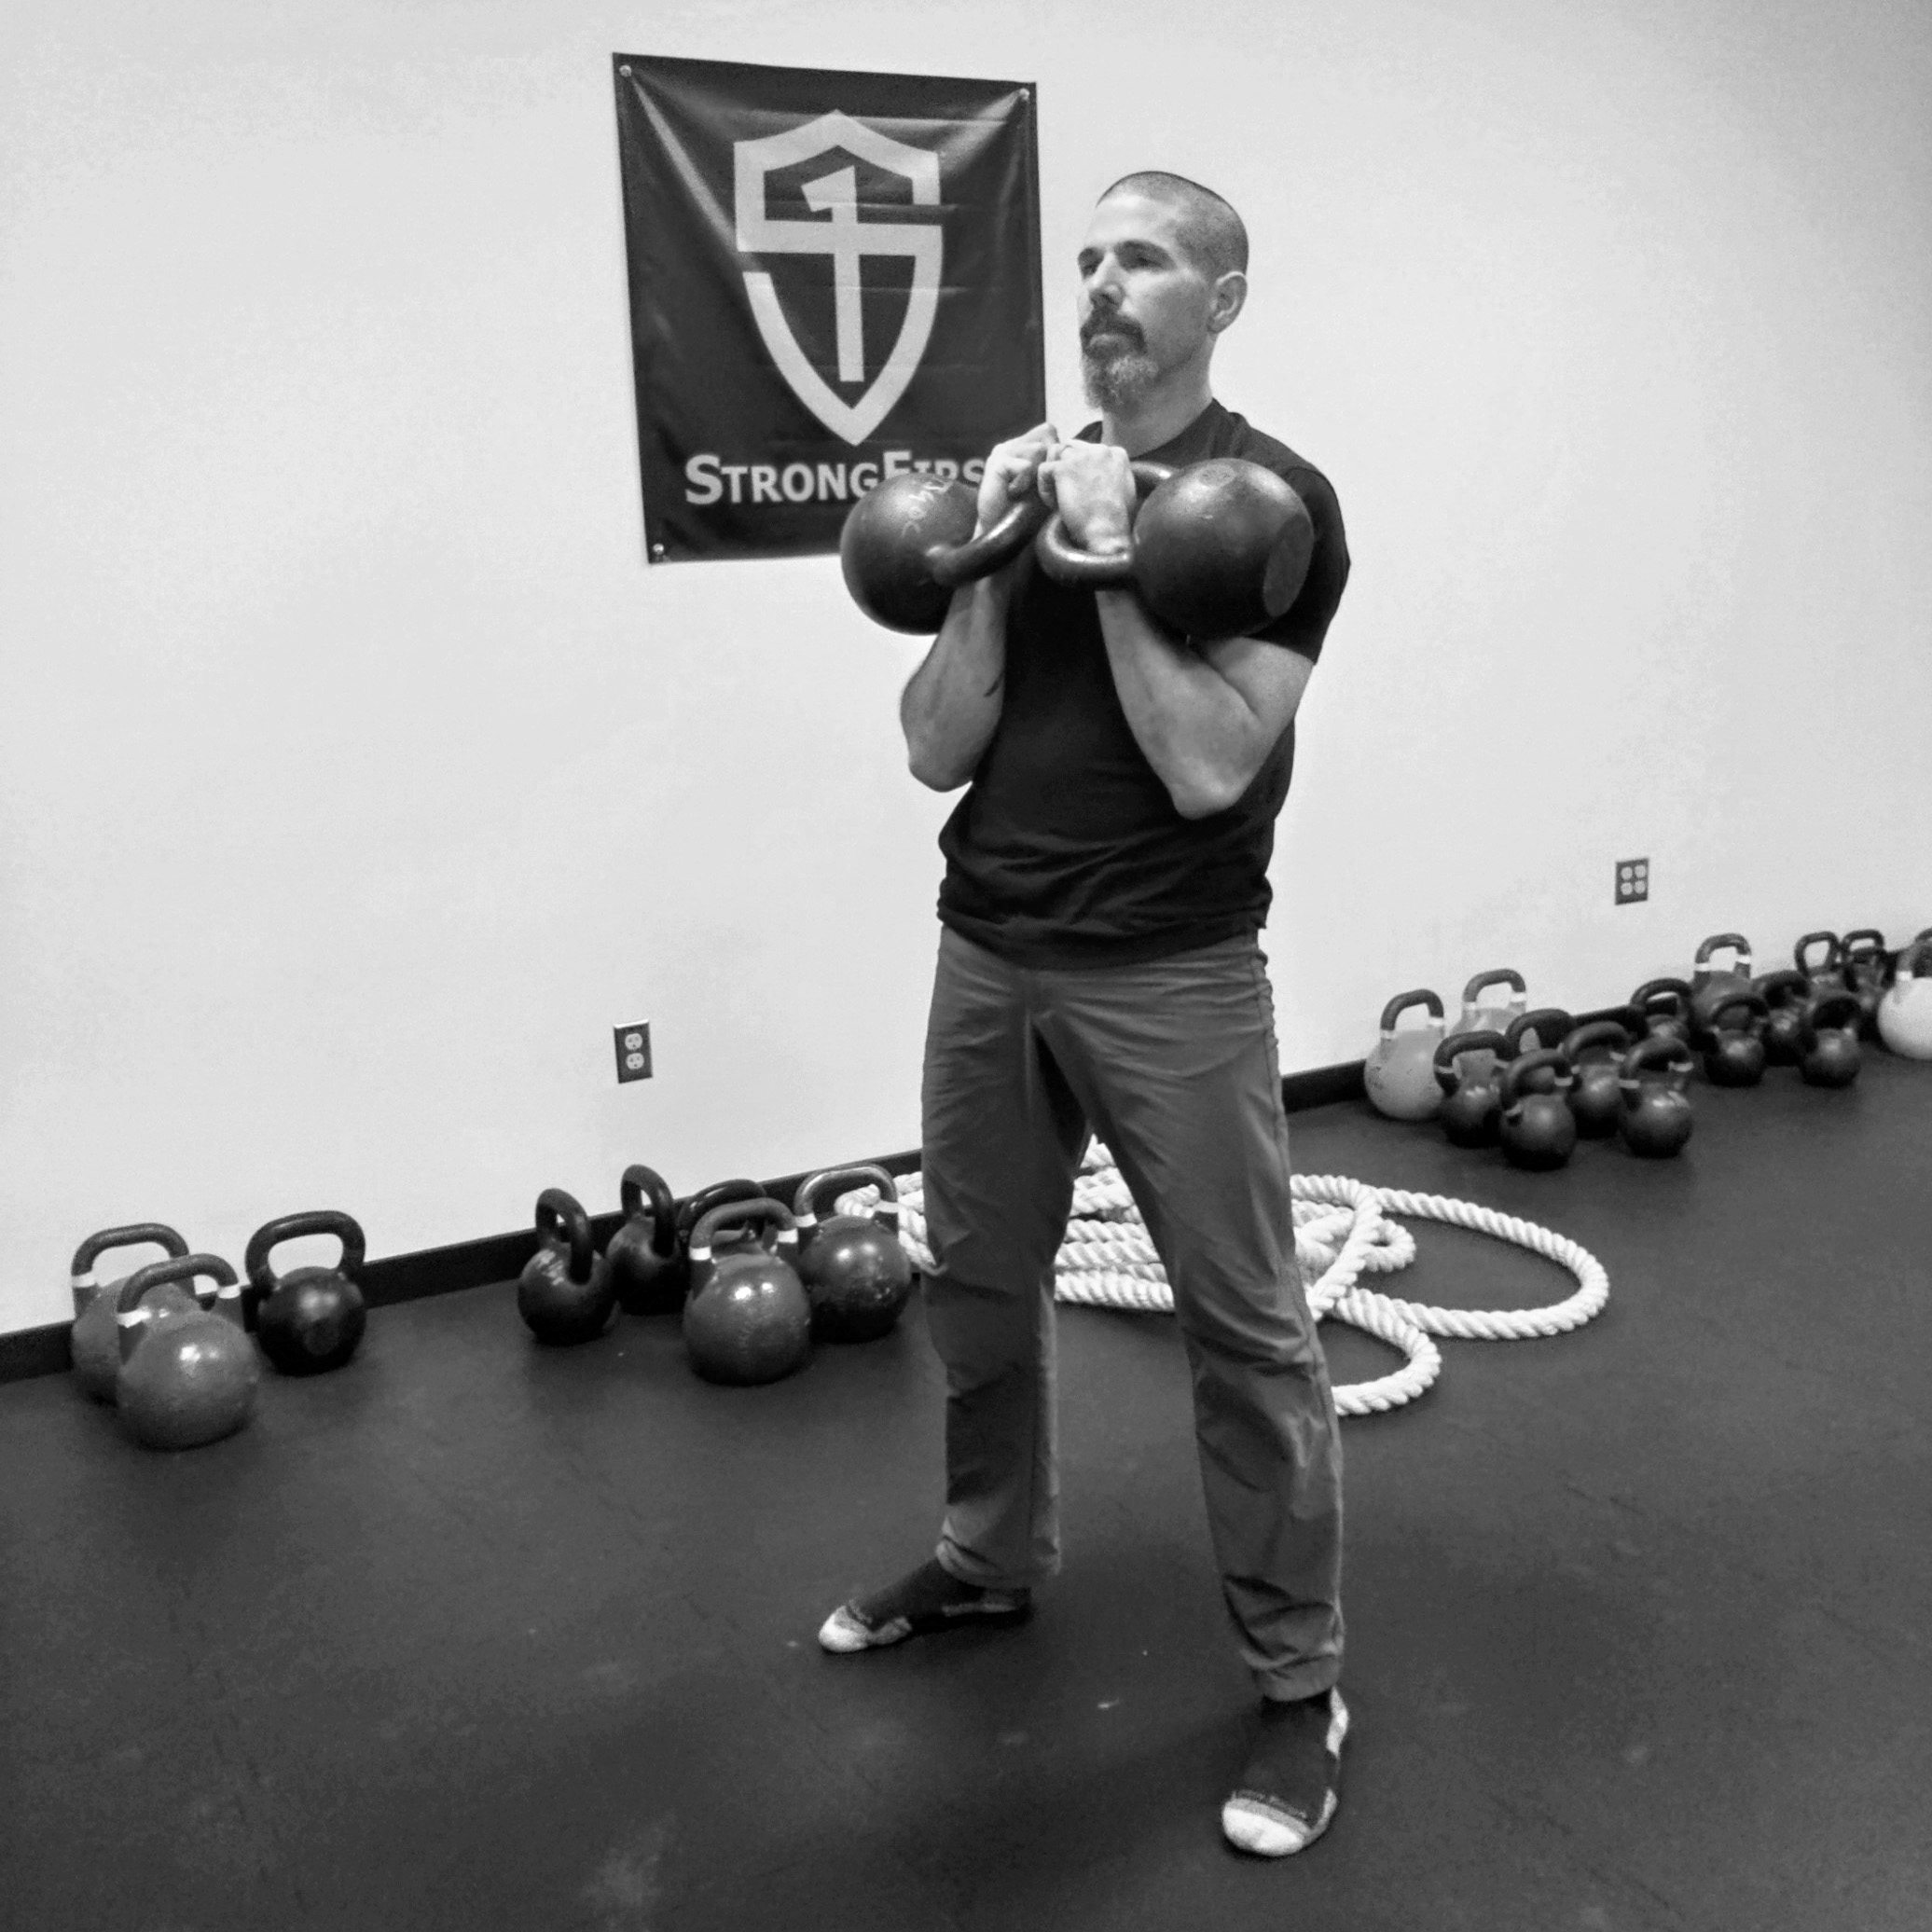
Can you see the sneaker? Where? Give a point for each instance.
(1286, 1794)
(927, 1599)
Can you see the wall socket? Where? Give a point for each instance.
(1633, 880)
(633, 1051)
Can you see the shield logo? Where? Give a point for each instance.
(848, 240)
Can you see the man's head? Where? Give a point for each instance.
(1163, 270)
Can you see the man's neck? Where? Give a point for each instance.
(1157, 418)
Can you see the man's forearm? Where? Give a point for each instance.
(951, 703)
(1201, 736)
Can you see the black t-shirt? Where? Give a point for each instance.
(1067, 850)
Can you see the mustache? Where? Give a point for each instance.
(1108, 322)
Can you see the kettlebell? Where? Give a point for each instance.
(1595, 1098)
(1490, 1015)
(1537, 1129)
(645, 1258)
(1823, 970)
(1709, 988)
(747, 1318)
(1465, 1070)
(311, 1320)
(1218, 548)
(187, 1375)
(1528, 1032)
(1866, 963)
(1657, 1117)
(94, 1341)
(564, 1293)
(1400, 1071)
(1734, 1040)
(700, 1204)
(908, 543)
(1786, 992)
(1662, 1009)
(1905, 1013)
(1827, 1047)
(856, 1276)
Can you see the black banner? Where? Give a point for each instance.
(833, 277)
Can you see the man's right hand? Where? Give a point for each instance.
(1012, 470)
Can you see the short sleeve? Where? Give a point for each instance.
(1305, 623)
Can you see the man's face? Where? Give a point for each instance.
(1145, 308)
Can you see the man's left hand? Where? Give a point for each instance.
(1092, 487)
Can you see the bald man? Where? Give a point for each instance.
(1101, 971)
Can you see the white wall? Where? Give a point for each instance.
(357, 776)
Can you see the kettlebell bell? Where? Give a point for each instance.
(1537, 1129)
(1492, 1016)
(1595, 1098)
(1709, 988)
(1662, 1009)
(855, 1274)
(187, 1375)
(1865, 966)
(1905, 1013)
(1528, 1032)
(1786, 992)
(645, 1258)
(564, 1293)
(94, 1340)
(747, 1318)
(311, 1320)
(1465, 1070)
(1734, 1040)
(1827, 1048)
(1400, 1071)
(908, 543)
(1657, 1117)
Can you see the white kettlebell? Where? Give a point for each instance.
(1401, 1069)
(1905, 1013)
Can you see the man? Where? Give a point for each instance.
(1100, 970)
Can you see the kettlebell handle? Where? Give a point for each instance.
(706, 1198)
(136, 1235)
(1914, 960)
(1843, 1011)
(1654, 990)
(291, 1227)
(1548, 1023)
(1065, 562)
(1594, 1033)
(953, 564)
(1830, 941)
(1670, 1058)
(641, 1184)
(805, 1203)
(1519, 1070)
(1401, 1004)
(1726, 941)
(560, 1218)
(1486, 1041)
(1500, 976)
(766, 1213)
(1781, 987)
(1754, 1004)
(129, 1314)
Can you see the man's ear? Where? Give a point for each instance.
(1230, 298)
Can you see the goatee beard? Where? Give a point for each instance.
(1115, 377)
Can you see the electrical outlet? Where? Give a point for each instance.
(634, 1052)
(1633, 880)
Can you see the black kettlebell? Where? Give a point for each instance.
(1710, 987)
(644, 1256)
(1786, 992)
(1829, 1054)
(907, 544)
(94, 1341)
(309, 1320)
(1541, 1027)
(1661, 1009)
(747, 1318)
(564, 1293)
(856, 1275)
(1471, 1111)
(1820, 955)
(694, 1210)
(1734, 1040)
(1537, 1130)
(1595, 1098)
(187, 1375)
(1867, 966)
(1657, 1117)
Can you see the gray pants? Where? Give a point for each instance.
(1173, 1064)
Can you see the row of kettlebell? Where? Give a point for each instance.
(756, 1282)
(174, 1356)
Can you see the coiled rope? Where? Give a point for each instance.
(1342, 1231)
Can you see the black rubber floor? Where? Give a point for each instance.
(476, 1634)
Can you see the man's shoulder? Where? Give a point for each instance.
(1234, 435)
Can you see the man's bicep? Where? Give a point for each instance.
(1269, 678)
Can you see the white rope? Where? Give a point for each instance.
(1341, 1233)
